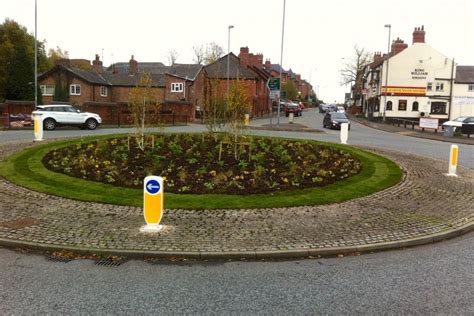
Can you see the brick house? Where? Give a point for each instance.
(106, 91)
(247, 68)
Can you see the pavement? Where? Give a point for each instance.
(426, 206)
(414, 132)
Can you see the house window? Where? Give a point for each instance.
(470, 87)
(402, 105)
(177, 87)
(439, 86)
(75, 89)
(438, 108)
(103, 91)
(415, 106)
(429, 87)
(47, 89)
(389, 105)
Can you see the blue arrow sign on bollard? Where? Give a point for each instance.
(152, 186)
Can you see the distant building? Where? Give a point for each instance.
(99, 89)
(421, 82)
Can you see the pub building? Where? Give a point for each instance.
(421, 82)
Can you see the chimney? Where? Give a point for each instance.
(419, 34)
(298, 77)
(268, 65)
(377, 57)
(97, 64)
(397, 46)
(244, 56)
(132, 66)
(256, 60)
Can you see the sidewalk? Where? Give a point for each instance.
(417, 132)
(426, 206)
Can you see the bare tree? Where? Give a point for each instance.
(199, 54)
(353, 69)
(237, 106)
(141, 101)
(172, 57)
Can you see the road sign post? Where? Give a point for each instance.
(273, 85)
(152, 203)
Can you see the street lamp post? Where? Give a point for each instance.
(36, 59)
(228, 55)
(281, 62)
(386, 72)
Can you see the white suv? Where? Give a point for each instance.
(59, 114)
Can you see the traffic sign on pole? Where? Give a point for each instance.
(273, 84)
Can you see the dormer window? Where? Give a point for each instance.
(177, 87)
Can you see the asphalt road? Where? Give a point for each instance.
(428, 280)
(433, 279)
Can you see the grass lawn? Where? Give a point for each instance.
(26, 169)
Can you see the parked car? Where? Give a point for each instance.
(334, 120)
(331, 108)
(341, 109)
(292, 107)
(323, 108)
(458, 122)
(59, 115)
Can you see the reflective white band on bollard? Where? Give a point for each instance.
(38, 127)
(453, 160)
(344, 133)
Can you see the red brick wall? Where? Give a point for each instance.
(120, 94)
(119, 114)
(174, 96)
(257, 98)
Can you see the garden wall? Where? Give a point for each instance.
(16, 114)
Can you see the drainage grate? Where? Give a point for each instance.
(58, 259)
(109, 262)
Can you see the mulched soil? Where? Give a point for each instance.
(203, 164)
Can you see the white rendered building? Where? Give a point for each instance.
(421, 82)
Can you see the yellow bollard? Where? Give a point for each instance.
(152, 203)
(453, 160)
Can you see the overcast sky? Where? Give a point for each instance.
(317, 33)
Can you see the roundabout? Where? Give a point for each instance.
(419, 209)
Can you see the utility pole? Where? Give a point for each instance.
(281, 62)
(228, 55)
(36, 57)
(386, 73)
